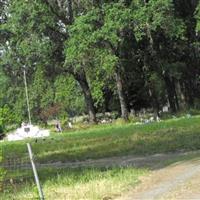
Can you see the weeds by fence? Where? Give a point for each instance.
(15, 170)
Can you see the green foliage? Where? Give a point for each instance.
(7, 117)
(28, 46)
(120, 121)
(26, 23)
(107, 60)
(4, 84)
(68, 95)
(86, 33)
(145, 40)
(78, 45)
(97, 86)
(3, 79)
(157, 16)
(157, 84)
(41, 94)
(197, 15)
(29, 16)
(94, 39)
(117, 17)
(194, 111)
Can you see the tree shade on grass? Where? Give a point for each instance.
(167, 136)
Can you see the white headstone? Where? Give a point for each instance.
(27, 131)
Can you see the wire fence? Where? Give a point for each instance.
(16, 171)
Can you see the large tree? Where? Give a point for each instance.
(124, 54)
(159, 30)
(99, 36)
(39, 30)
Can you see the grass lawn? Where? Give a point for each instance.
(104, 141)
(113, 140)
(79, 184)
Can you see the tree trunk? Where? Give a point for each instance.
(181, 97)
(175, 94)
(170, 93)
(122, 99)
(107, 94)
(154, 102)
(189, 93)
(82, 80)
(151, 91)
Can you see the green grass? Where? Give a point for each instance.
(100, 141)
(79, 184)
(167, 136)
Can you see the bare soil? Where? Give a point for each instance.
(172, 176)
(152, 162)
(180, 180)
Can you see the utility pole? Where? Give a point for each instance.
(27, 97)
(41, 195)
(37, 181)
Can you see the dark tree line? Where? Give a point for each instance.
(99, 56)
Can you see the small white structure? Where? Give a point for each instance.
(158, 119)
(165, 109)
(70, 125)
(27, 131)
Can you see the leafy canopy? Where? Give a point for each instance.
(157, 16)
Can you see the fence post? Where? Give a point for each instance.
(35, 172)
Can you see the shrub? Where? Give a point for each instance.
(134, 119)
(120, 121)
(6, 118)
(194, 111)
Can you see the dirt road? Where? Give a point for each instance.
(180, 180)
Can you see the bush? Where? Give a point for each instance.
(120, 121)
(194, 111)
(166, 115)
(6, 118)
(81, 126)
(134, 119)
